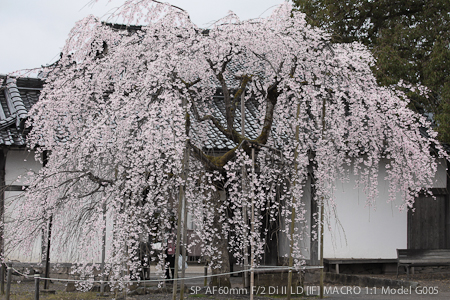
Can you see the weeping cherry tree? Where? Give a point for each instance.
(125, 104)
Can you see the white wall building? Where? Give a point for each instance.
(354, 231)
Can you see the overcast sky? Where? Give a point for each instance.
(33, 32)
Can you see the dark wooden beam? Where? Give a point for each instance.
(49, 234)
(3, 153)
(15, 188)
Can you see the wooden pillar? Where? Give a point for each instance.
(3, 153)
(8, 283)
(322, 207)
(185, 208)
(49, 235)
(314, 259)
(47, 256)
(447, 207)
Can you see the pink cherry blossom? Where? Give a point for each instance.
(122, 104)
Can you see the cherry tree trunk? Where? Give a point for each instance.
(220, 259)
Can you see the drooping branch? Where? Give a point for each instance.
(100, 181)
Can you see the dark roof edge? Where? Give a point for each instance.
(23, 82)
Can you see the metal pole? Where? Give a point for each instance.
(8, 283)
(36, 286)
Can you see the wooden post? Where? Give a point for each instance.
(292, 227)
(8, 283)
(183, 253)
(291, 258)
(102, 270)
(36, 286)
(205, 281)
(49, 235)
(47, 256)
(2, 278)
(314, 216)
(322, 214)
(252, 243)
(3, 153)
(181, 200)
(321, 250)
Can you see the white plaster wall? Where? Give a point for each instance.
(18, 164)
(359, 231)
(58, 253)
(35, 256)
(305, 243)
(441, 175)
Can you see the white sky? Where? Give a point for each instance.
(33, 32)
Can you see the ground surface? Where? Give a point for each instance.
(431, 286)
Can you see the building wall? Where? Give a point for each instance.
(18, 165)
(305, 244)
(354, 230)
(359, 231)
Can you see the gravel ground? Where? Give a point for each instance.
(439, 280)
(25, 290)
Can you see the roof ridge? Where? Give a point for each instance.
(16, 105)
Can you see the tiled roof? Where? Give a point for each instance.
(16, 99)
(212, 138)
(206, 135)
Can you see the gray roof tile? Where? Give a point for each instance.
(16, 99)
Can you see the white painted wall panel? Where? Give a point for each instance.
(18, 164)
(359, 231)
(305, 243)
(34, 255)
(441, 174)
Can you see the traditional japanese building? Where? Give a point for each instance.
(16, 160)
(355, 234)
